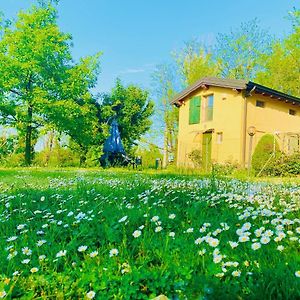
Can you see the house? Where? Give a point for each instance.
(225, 119)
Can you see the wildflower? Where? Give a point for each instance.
(125, 268)
(113, 252)
(82, 248)
(12, 255)
(213, 242)
(34, 270)
(255, 246)
(93, 254)
(297, 274)
(42, 257)
(233, 244)
(2, 294)
(246, 263)
(90, 294)
(25, 261)
(142, 227)
(26, 251)
(219, 275)
(16, 273)
(280, 248)
(43, 198)
(172, 234)
(70, 214)
(158, 229)
(190, 230)
(217, 259)
(244, 238)
(265, 240)
(21, 226)
(246, 226)
(198, 241)
(61, 253)
(202, 252)
(236, 273)
(155, 218)
(40, 243)
(123, 219)
(172, 216)
(12, 238)
(136, 233)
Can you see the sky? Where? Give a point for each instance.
(137, 35)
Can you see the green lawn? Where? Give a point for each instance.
(83, 234)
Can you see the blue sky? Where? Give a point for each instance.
(136, 35)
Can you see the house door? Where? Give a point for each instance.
(206, 150)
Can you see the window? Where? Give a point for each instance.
(195, 110)
(260, 103)
(209, 108)
(292, 112)
(219, 137)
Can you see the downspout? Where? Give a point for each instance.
(246, 95)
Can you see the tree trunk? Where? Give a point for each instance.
(82, 159)
(165, 151)
(28, 138)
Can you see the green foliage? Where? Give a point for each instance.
(238, 53)
(132, 108)
(52, 211)
(56, 157)
(196, 157)
(40, 84)
(263, 150)
(283, 165)
(149, 155)
(282, 67)
(228, 168)
(195, 62)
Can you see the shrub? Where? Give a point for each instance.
(196, 157)
(284, 165)
(263, 151)
(226, 168)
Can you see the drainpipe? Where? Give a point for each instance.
(246, 95)
(244, 131)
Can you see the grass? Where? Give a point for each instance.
(78, 234)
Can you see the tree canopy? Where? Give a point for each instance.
(40, 85)
(131, 106)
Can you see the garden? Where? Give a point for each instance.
(118, 234)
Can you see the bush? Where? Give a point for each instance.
(196, 157)
(263, 151)
(226, 168)
(283, 165)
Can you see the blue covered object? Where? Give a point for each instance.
(113, 144)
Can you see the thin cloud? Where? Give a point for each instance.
(132, 71)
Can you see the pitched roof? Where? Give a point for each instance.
(233, 84)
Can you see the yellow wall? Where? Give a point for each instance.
(227, 118)
(274, 117)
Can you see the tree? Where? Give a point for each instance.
(238, 53)
(132, 108)
(165, 83)
(195, 62)
(282, 67)
(40, 84)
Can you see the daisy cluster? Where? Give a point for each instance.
(106, 226)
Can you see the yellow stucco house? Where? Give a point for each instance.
(225, 118)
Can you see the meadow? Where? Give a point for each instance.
(130, 235)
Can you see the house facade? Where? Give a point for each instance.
(225, 119)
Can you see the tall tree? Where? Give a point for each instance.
(238, 53)
(39, 82)
(282, 67)
(165, 85)
(194, 62)
(131, 106)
